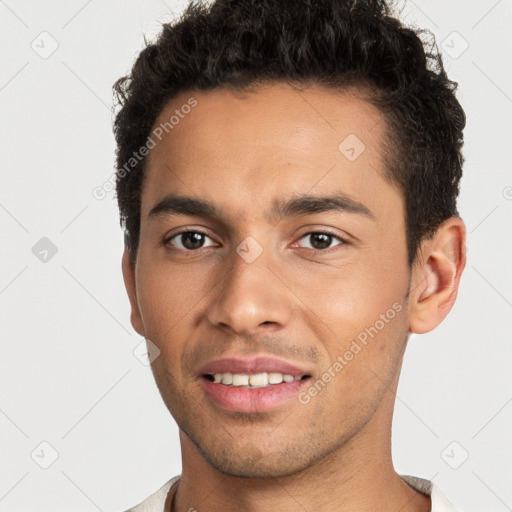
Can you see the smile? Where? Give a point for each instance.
(253, 381)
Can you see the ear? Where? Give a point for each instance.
(436, 275)
(131, 289)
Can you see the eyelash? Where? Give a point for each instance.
(342, 241)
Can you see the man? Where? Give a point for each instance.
(287, 175)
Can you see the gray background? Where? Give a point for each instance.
(69, 376)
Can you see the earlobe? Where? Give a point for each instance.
(436, 276)
(131, 289)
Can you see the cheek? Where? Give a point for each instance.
(362, 304)
(349, 295)
(168, 296)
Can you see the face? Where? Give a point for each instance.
(271, 244)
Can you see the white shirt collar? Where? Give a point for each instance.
(439, 502)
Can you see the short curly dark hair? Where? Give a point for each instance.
(333, 43)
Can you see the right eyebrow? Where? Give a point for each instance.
(182, 205)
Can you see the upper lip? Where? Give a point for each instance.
(251, 365)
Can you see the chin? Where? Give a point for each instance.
(250, 461)
(257, 470)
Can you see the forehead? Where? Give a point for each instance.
(246, 148)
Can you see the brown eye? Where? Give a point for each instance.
(319, 241)
(191, 240)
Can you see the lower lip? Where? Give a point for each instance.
(241, 399)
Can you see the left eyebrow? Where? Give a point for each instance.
(307, 205)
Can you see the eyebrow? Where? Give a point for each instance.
(181, 205)
(293, 207)
(305, 205)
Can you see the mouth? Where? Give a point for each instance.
(253, 381)
(252, 385)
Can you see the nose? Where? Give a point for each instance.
(250, 299)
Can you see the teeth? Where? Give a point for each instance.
(258, 379)
(275, 378)
(255, 380)
(240, 380)
(226, 378)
